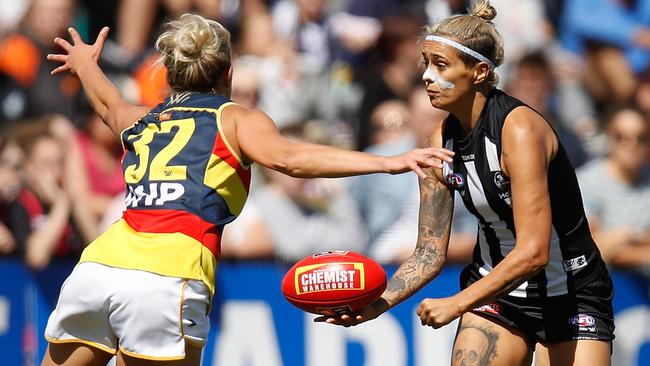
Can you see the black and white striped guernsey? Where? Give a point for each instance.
(476, 173)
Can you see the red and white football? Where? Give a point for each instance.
(334, 283)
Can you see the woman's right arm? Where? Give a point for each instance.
(434, 222)
(81, 59)
(259, 140)
(425, 263)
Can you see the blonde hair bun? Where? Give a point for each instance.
(484, 10)
(196, 51)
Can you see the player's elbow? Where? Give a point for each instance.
(284, 163)
(292, 162)
(533, 259)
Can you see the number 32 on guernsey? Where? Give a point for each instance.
(159, 170)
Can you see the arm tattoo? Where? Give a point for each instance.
(475, 345)
(436, 210)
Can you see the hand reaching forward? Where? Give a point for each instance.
(78, 53)
(417, 159)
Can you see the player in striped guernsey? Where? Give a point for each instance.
(537, 281)
(143, 288)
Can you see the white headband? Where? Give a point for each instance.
(461, 48)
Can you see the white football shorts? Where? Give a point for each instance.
(142, 314)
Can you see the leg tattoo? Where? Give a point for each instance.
(475, 345)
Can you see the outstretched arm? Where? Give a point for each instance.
(259, 141)
(81, 59)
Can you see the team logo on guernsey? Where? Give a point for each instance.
(455, 180)
(501, 181)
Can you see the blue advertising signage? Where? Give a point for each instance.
(252, 324)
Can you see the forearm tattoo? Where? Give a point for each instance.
(436, 209)
(475, 345)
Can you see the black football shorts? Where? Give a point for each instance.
(585, 314)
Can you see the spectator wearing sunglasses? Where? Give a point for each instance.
(616, 191)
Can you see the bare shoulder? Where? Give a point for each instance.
(243, 126)
(524, 127)
(237, 113)
(523, 122)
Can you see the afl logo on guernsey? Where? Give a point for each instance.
(455, 180)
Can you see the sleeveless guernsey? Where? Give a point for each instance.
(184, 183)
(485, 189)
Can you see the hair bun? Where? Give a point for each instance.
(195, 51)
(484, 10)
(194, 38)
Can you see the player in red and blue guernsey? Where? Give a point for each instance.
(142, 289)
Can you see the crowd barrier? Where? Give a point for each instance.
(253, 325)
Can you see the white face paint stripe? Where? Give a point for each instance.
(434, 76)
(461, 48)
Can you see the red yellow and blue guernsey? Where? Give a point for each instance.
(184, 183)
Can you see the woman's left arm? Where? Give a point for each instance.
(528, 146)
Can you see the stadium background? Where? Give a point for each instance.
(340, 72)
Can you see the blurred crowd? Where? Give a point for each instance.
(339, 72)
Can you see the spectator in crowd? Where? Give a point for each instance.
(275, 63)
(25, 67)
(98, 170)
(245, 84)
(616, 191)
(380, 198)
(46, 217)
(524, 28)
(137, 20)
(614, 37)
(397, 52)
(289, 218)
(533, 83)
(10, 158)
(305, 25)
(390, 210)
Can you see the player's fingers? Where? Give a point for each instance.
(57, 57)
(320, 319)
(416, 168)
(443, 154)
(59, 69)
(63, 43)
(434, 163)
(76, 38)
(101, 38)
